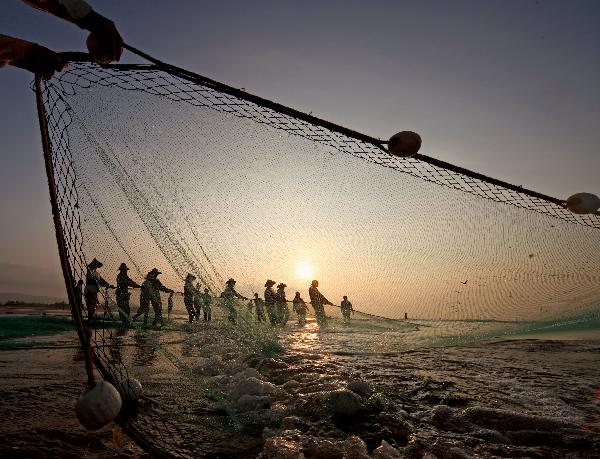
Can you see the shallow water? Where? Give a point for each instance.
(193, 413)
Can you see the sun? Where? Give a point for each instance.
(304, 270)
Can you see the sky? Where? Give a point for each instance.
(510, 89)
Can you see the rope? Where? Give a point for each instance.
(279, 108)
(84, 333)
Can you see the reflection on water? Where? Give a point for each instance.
(116, 356)
(384, 336)
(144, 350)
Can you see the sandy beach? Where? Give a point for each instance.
(520, 397)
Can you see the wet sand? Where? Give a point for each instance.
(38, 390)
(543, 377)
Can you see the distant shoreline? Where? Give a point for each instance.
(35, 309)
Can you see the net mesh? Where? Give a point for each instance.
(160, 170)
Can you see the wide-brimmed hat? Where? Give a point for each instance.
(155, 271)
(269, 283)
(123, 267)
(282, 285)
(95, 264)
(190, 276)
(206, 290)
(231, 280)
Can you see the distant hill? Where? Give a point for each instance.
(4, 297)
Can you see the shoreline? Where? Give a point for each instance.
(420, 399)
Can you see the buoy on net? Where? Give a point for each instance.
(404, 144)
(99, 406)
(130, 390)
(583, 203)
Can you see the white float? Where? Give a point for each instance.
(98, 406)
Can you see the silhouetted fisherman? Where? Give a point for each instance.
(79, 295)
(123, 294)
(169, 305)
(229, 296)
(300, 308)
(318, 302)
(188, 296)
(206, 305)
(150, 294)
(197, 301)
(283, 312)
(260, 308)
(346, 307)
(270, 301)
(93, 282)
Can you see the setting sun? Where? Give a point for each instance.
(304, 270)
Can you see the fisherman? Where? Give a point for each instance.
(93, 282)
(300, 308)
(150, 294)
(206, 305)
(270, 301)
(197, 301)
(123, 294)
(283, 312)
(104, 42)
(260, 308)
(318, 302)
(169, 305)
(188, 296)
(229, 296)
(79, 294)
(346, 307)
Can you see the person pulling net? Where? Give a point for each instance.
(150, 295)
(122, 293)
(318, 302)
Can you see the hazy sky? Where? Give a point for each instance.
(508, 88)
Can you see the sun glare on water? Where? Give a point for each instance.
(304, 270)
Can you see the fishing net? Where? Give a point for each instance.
(160, 168)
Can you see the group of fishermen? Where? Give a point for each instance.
(149, 293)
(195, 301)
(274, 304)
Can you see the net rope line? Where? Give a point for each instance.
(225, 98)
